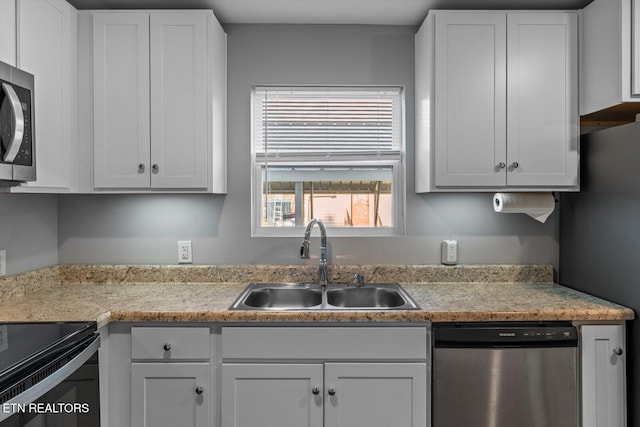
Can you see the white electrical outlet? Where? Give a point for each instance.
(449, 252)
(185, 255)
(3, 262)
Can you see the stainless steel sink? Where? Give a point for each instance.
(283, 298)
(366, 296)
(336, 297)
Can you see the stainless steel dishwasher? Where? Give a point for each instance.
(505, 375)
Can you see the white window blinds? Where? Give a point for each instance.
(326, 121)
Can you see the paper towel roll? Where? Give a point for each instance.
(537, 205)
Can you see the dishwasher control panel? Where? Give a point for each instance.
(483, 334)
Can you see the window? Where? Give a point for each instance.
(330, 153)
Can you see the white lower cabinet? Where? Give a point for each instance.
(171, 377)
(603, 376)
(272, 395)
(329, 394)
(204, 375)
(340, 387)
(170, 394)
(376, 394)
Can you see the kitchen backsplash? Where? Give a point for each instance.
(22, 284)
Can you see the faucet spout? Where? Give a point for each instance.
(306, 243)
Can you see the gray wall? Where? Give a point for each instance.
(600, 234)
(29, 231)
(144, 229)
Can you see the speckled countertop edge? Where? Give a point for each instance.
(200, 302)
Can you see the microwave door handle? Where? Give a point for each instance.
(17, 123)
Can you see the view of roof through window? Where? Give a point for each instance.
(328, 153)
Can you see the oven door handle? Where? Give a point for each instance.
(42, 387)
(17, 124)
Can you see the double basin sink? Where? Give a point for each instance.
(312, 297)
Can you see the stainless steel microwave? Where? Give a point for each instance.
(17, 137)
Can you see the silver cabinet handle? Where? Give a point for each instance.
(502, 165)
(17, 124)
(315, 390)
(618, 351)
(331, 391)
(141, 168)
(155, 168)
(515, 165)
(199, 390)
(167, 347)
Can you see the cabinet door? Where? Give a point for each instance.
(47, 48)
(542, 88)
(270, 395)
(635, 49)
(121, 100)
(179, 93)
(376, 395)
(167, 395)
(470, 99)
(8, 32)
(603, 376)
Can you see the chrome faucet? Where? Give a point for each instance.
(304, 249)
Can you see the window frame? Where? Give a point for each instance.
(395, 160)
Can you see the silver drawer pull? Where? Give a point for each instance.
(141, 168)
(618, 351)
(315, 390)
(199, 390)
(167, 347)
(331, 391)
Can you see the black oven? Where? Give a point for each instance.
(49, 375)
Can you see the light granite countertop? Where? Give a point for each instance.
(194, 302)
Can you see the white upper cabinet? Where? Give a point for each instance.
(470, 99)
(542, 88)
(496, 101)
(121, 103)
(610, 56)
(158, 95)
(8, 31)
(40, 37)
(179, 114)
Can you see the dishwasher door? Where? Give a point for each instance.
(508, 381)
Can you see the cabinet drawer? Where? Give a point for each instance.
(170, 343)
(333, 343)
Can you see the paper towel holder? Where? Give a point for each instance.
(553, 193)
(537, 205)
